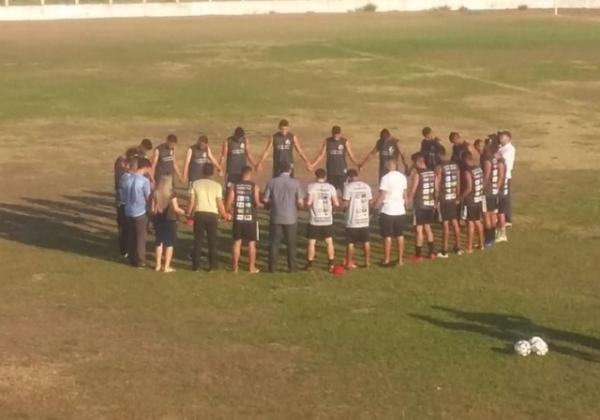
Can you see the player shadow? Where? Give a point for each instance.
(510, 328)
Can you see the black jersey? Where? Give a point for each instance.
(458, 154)
(197, 163)
(388, 150)
(424, 196)
(236, 155)
(283, 151)
(476, 195)
(430, 149)
(336, 156)
(450, 175)
(491, 188)
(244, 210)
(165, 164)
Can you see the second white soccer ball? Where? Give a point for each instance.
(522, 348)
(538, 346)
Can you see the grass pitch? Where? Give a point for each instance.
(83, 336)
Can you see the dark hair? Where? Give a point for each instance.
(477, 142)
(143, 163)
(172, 138)
(321, 173)
(453, 136)
(284, 123)
(132, 152)
(208, 170)
(426, 131)
(146, 144)
(132, 163)
(506, 133)
(246, 170)
(285, 166)
(352, 173)
(385, 134)
(336, 129)
(239, 132)
(416, 156)
(202, 139)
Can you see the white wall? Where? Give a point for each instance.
(248, 7)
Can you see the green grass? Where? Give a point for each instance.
(84, 336)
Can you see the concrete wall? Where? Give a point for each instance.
(90, 11)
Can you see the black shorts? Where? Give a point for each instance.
(423, 216)
(449, 210)
(245, 231)
(233, 179)
(503, 204)
(357, 235)
(319, 232)
(491, 203)
(166, 233)
(473, 212)
(392, 226)
(337, 181)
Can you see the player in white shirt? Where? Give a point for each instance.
(321, 199)
(392, 219)
(507, 152)
(357, 197)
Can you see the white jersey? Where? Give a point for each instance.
(508, 153)
(357, 194)
(321, 209)
(394, 184)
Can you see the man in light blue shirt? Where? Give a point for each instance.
(134, 189)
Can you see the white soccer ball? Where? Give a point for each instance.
(522, 348)
(538, 346)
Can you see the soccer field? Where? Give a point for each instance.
(84, 336)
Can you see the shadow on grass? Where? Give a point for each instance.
(510, 328)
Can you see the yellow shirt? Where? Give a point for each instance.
(206, 193)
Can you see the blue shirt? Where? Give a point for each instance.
(134, 191)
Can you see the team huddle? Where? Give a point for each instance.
(469, 186)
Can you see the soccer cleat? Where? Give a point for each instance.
(416, 259)
(459, 252)
(502, 238)
(442, 254)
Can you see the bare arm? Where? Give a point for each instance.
(229, 200)
(401, 156)
(264, 154)
(335, 200)
(300, 151)
(177, 170)
(413, 185)
(351, 154)
(257, 197)
(379, 200)
(369, 155)
(186, 165)
(319, 157)
(176, 207)
(155, 155)
(191, 203)
(437, 183)
(212, 159)
(222, 211)
(487, 171)
(223, 158)
(501, 175)
(248, 154)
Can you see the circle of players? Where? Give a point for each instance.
(468, 187)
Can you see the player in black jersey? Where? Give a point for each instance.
(235, 155)
(243, 198)
(421, 192)
(448, 201)
(460, 147)
(198, 156)
(472, 198)
(388, 148)
(164, 161)
(493, 180)
(335, 148)
(283, 143)
(430, 147)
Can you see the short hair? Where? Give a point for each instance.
(239, 132)
(321, 173)
(146, 144)
(285, 166)
(208, 170)
(202, 139)
(385, 134)
(506, 133)
(172, 138)
(352, 173)
(132, 163)
(453, 136)
(132, 152)
(284, 123)
(417, 156)
(477, 142)
(246, 170)
(427, 131)
(336, 129)
(143, 163)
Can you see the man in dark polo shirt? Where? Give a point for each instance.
(283, 196)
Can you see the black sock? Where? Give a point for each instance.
(418, 251)
(430, 247)
(331, 262)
